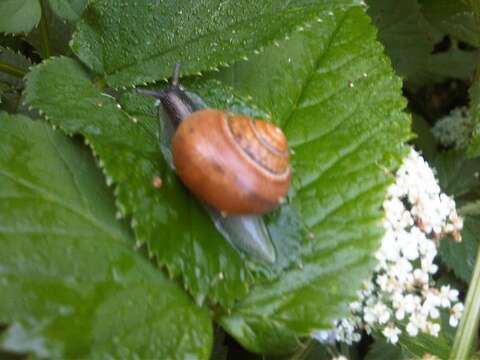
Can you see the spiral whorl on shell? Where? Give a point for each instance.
(233, 163)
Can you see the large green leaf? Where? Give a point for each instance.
(410, 38)
(424, 142)
(381, 349)
(12, 62)
(168, 219)
(19, 15)
(57, 30)
(336, 96)
(458, 177)
(455, 18)
(131, 42)
(452, 17)
(474, 148)
(68, 9)
(407, 36)
(23, 15)
(13, 65)
(72, 286)
(3, 88)
(460, 257)
(456, 174)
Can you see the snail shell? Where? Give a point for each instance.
(233, 163)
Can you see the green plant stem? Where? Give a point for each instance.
(475, 6)
(303, 350)
(467, 330)
(12, 70)
(45, 43)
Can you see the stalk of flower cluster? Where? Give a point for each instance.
(417, 216)
(468, 329)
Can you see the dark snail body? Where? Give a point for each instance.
(177, 105)
(234, 212)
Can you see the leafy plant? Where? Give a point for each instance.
(103, 251)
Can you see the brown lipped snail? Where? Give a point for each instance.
(231, 162)
(238, 166)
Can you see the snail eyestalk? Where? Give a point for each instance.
(148, 92)
(160, 94)
(176, 75)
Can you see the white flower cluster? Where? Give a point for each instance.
(417, 215)
(455, 129)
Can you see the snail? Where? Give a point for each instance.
(237, 166)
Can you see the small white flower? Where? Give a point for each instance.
(356, 337)
(382, 281)
(418, 320)
(401, 269)
(428, 266)
(447, 295)
(403, 304)
(398, 302)
(391, 332)
(382, 312)
(355, 306)
(408, 243)
(376, 313)
(412, 329)
(433, 328)
(325, 336)
(455, 314)
(432, 311)
(368, 288)
(388, 284)
(340, 357)
(369, 316)
(427, 247)
(412, 303)
(389, 248)
(345, 331)
(431, 303)
(400, 313)
(394, 210)
(420, 276)
(406, 305)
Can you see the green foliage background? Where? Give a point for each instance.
(95, 262)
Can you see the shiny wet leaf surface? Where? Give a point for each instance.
(71, 283)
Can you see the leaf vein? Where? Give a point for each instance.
(334, 162)
(49, 197)
(315, 68)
